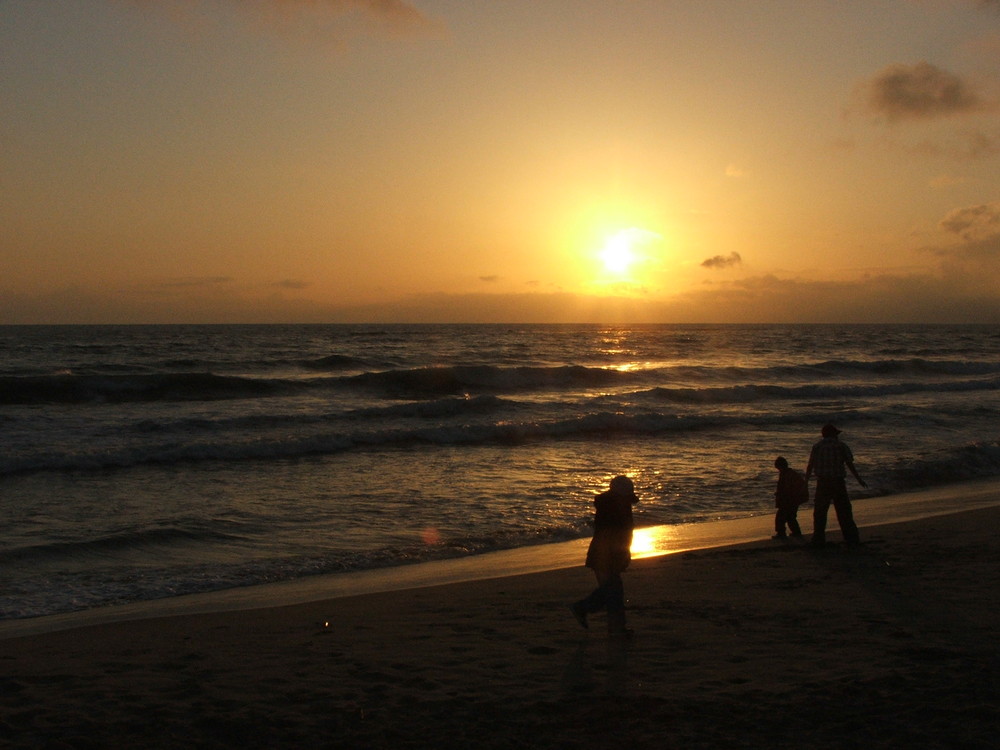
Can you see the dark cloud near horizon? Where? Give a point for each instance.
(983, 253)
(723, 261)
(973, 222)
(489, 279)
(950, 297)
(920, 91)
(291, 284)
(194, 281)
(964, 289)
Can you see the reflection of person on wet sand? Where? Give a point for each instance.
(609, 555)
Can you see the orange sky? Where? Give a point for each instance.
(477, 161)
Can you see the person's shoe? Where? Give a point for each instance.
(779, 536)
(580, 613)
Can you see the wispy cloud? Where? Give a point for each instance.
(973, 222)
(723, 261)
(195, 281)
(972, 145)
(920, 91)
(324, 17)
(291, 284)
(394, 15)
(944, 181)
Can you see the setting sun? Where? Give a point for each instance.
(627, 249)
(659, 189)
(617, 254)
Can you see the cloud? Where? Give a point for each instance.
(974, 222)
(944, 181)
(978, 259)
(964, 289)
(921, 91)
(723, 261)
(489, 279)
(393, 17)
(194, 281)
(735, 171)
(291, 284)
(967, 146)
(982, 145)
(950, 295)
(962, 286)
(884, 298)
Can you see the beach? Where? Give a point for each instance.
(891, 644)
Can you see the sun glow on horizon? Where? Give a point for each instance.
(628, 256)
(617, 254)
(627, 248)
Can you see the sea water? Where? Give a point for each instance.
(142, 462)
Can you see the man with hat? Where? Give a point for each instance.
(828, 459)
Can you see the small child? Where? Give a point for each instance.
(790, 493)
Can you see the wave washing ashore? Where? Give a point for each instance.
(144, 462)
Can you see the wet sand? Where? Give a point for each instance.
(890, 645)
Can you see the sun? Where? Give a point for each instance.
(617, 254)
(624, 249)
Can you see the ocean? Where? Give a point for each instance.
(143, 462)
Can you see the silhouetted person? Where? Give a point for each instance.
(828, 459)
(609, 555)
(791, 492)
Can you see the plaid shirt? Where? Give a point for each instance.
(828, 458)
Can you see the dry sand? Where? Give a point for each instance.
(763, 645)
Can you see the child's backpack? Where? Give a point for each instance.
(798, 489)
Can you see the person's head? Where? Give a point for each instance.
(622, 485)
(829, 431)
(780, 463)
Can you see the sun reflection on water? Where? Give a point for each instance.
(653, 541)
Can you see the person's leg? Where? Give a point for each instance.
(595, 601)
(779, 522)
(615, 598)
(615, 593)
(603, 597)
(821, 505)
(793, 522)
(845, 517)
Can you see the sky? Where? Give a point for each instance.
(510, 161)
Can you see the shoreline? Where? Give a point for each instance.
(891, 644)
(658, 541)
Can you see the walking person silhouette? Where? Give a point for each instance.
(828, 460)
(609, 555)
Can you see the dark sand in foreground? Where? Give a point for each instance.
(762, 645)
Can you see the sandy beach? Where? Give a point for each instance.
(890, 645)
